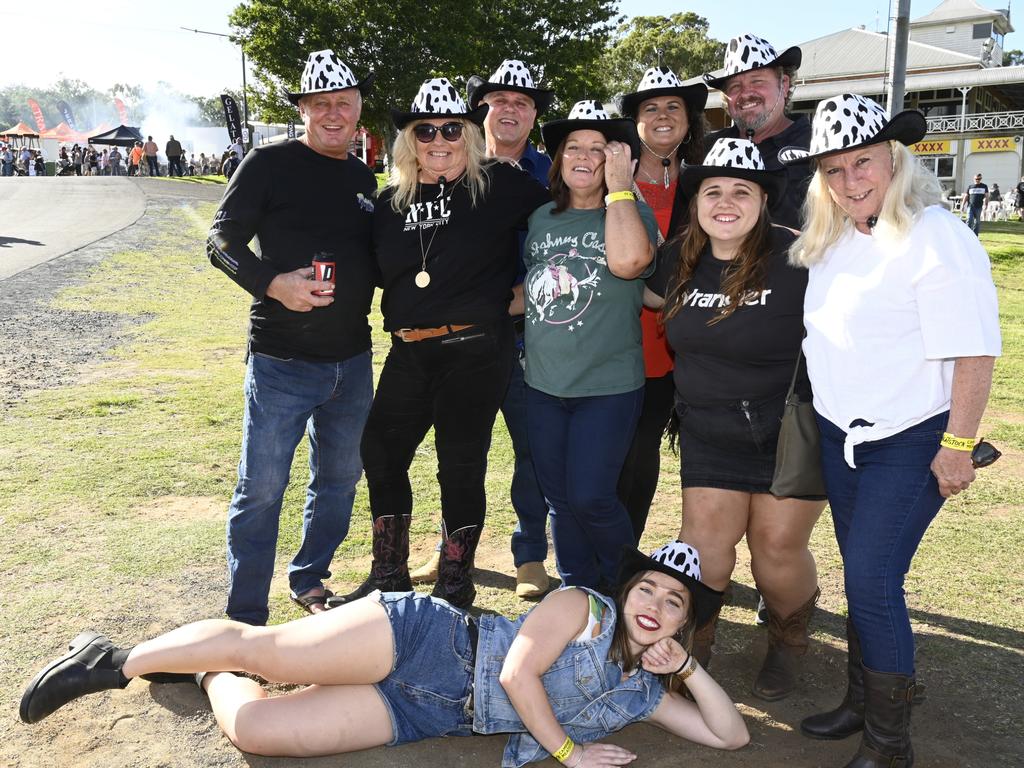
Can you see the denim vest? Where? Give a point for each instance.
(586, 690)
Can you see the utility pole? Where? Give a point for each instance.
(898, 62)
(245, 98)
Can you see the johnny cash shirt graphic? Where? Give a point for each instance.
(582, 322)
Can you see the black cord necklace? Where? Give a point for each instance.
(666, 161)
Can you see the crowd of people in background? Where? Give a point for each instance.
(134, 159)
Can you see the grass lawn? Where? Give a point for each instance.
(113, 490)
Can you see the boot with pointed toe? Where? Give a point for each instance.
(389, 571)
(455, 571)
(86, 668)
(787, 642)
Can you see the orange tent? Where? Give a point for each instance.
(65, 134)
(21, 130)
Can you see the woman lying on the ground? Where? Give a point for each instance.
(397, 667)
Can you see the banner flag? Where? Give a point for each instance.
(231, 118)
(122, 113)
(37, 113)
(68, 115)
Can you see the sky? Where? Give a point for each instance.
(110, 41)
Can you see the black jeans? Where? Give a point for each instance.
(639, 479)
(455, 384)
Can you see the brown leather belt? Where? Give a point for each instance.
(419, 334)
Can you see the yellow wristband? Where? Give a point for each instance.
(612, 197)
(564, 751)
(958, 443)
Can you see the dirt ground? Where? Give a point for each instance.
(966, 722)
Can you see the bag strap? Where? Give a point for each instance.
(796, 371)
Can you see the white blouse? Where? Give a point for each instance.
(886, 320)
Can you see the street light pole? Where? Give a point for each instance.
(245, 98)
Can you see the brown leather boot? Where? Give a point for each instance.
(703, 639)
(787, 641)
(885, 742)
(848, 718)
(389, 571)
(455, 571)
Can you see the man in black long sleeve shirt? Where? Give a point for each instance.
(309, 353)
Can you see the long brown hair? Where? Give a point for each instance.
(745, 274)
(620, 652)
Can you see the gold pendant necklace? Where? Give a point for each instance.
(422, 278)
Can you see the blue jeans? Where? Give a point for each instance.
(578, 446)
(974, 219)
(283, 400)
(880, 511)
(529, 539)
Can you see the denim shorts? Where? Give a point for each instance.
(729, 446)
(429, 691)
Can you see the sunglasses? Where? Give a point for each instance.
(425, 132)
(984, 454)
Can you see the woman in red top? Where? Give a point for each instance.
(669, 118)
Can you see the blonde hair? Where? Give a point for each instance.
(405, 169)
(912, 189)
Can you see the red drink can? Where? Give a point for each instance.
(323, 269)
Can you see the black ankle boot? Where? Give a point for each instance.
(848, 718)
(885, 742)
(87, 668)
(455, 571)
(390, 569)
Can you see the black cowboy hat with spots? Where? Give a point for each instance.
(325, 72)
(680, 561)
(589, 115)
(437, 97)
(662, 81)
(512, 75)
(737, 159)
(848, 121)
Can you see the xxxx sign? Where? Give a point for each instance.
(931, 148)
(1001, 144)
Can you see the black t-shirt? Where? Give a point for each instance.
(976, 195)
(750, 354)
(797, 136)
(472, 253)
(298, 203)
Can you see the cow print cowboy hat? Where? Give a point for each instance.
(437, 97)
(737, 159)
(749, 52)
(680, 561)
(848, 121)
(512, 75)
(325, 72)
(662, 81)
(590, 115)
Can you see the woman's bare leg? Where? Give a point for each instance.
(349, 645)
(780, 560)
(714, 521)
(318, 720)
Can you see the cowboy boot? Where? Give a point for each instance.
(455, 571)
(848, 718)
(389, 571)
(787, 641)
(885, 742)
(703, 639)
(92, 664)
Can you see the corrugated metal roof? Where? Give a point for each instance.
(955, 10)
(928, 82)
(856, 51)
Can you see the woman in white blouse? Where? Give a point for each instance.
(902, 333)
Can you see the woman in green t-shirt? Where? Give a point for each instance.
(585, 254)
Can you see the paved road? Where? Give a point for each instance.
(43, 218)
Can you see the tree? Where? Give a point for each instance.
(1013, 58)
(406, 41)
(211, 109)
(679, 41)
